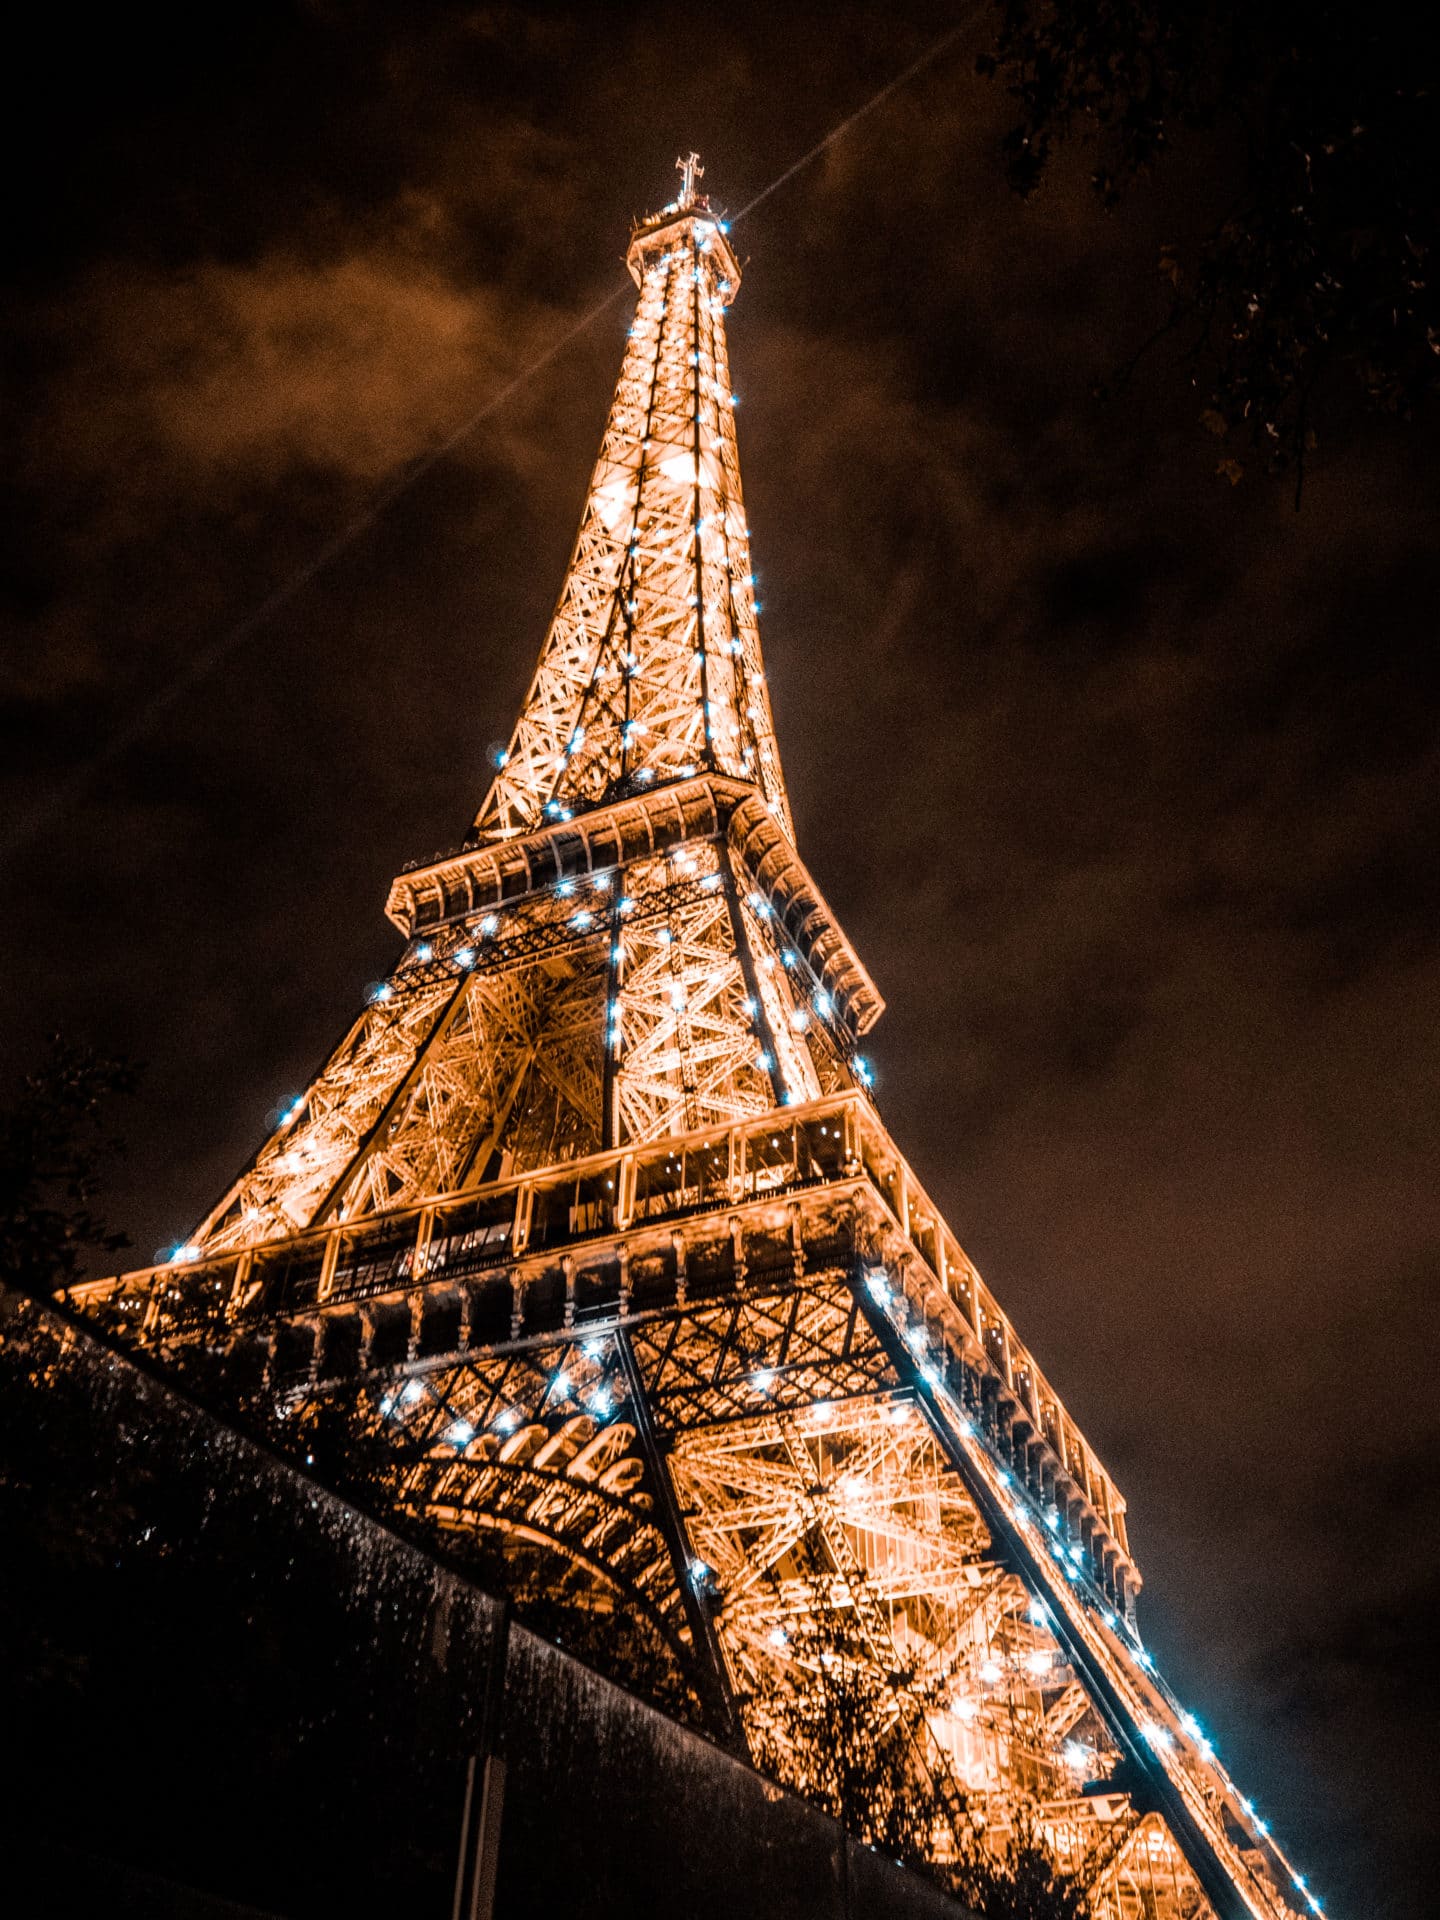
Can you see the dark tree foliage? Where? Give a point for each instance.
(53, 1147)
(849, 1736)
(1020, 1881)
(844, 1734)
(1320, 273)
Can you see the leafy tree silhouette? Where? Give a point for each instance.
(53, 1148)
(842, 1731)
(1312, 274)
(846, 1731)
(1018, 1880)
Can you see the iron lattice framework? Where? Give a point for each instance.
(592, 1210)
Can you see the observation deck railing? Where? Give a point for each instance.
(558, 1211)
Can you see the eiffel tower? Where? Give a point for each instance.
(592, 1209)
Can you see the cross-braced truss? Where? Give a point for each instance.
(517, 1051)
(845, 1505)
(682, 1034)
(733, 1471)
(647, 1000)
(592, 1213)
(320, 1134)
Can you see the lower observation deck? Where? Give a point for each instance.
(633, 1232)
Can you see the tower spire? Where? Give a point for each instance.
(652, 670)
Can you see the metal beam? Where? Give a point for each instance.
(711, 1676)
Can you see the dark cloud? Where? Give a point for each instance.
(227, 376)
(1123, 781)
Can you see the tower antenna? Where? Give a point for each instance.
(690, 170)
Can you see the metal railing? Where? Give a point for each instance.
(556, 1209)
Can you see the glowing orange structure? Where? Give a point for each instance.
(593, 1204)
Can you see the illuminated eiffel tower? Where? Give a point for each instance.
(593, 1212)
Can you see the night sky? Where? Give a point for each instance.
(1122, 780)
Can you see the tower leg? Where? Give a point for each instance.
(712, 1679)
